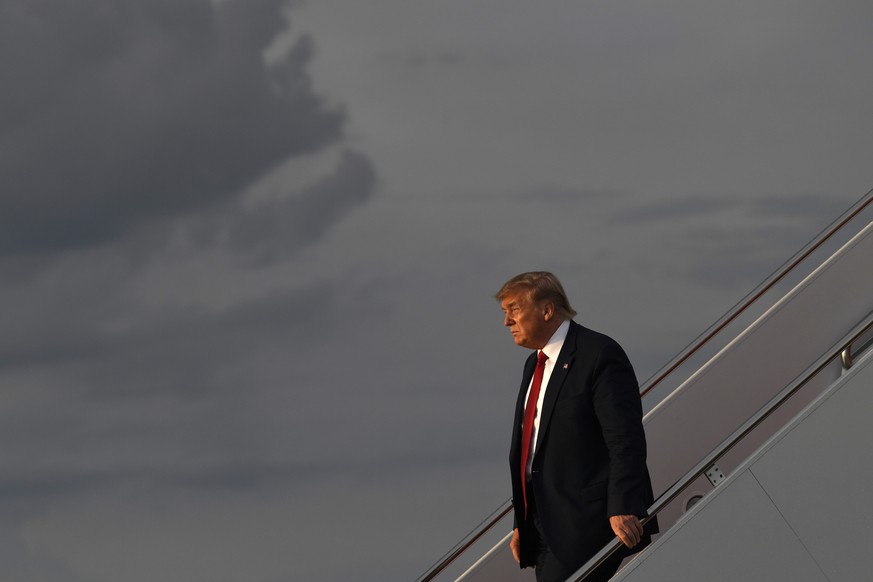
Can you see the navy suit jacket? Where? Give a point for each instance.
(590, 458)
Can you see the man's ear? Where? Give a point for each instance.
(548, 311)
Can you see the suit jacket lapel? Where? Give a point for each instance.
(556, 381)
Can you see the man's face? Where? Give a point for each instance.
(528, 321)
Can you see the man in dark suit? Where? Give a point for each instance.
(578, 453)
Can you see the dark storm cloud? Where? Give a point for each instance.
(117, 112)
(159, 347)
(146, 124)
(173, 403)
(284, 223)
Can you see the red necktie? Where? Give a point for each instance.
(530, 410)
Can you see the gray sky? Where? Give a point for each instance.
(248, 251)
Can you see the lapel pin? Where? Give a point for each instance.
(566, 366)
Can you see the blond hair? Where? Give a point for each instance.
(539, 286)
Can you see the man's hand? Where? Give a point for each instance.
(515, 546)
(628, 529)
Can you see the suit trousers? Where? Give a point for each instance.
(548, 567)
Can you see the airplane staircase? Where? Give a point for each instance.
(727, 421)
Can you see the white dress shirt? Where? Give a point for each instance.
(551, 349)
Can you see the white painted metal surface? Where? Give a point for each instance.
(796, 510)
(761, 361)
